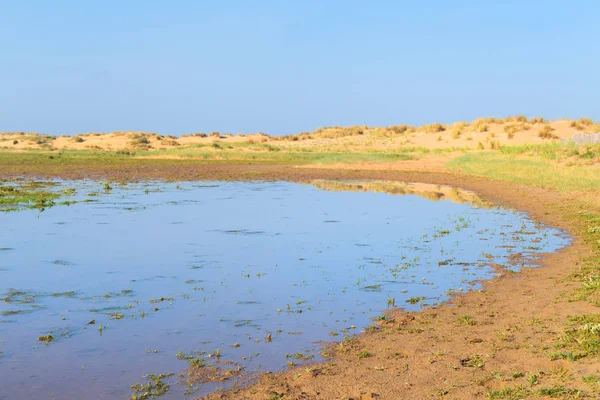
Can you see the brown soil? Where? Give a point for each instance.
(428, 354)
(426, 163)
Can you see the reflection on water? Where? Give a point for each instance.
(426, 190)
(228, 278)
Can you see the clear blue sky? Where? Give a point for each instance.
(289, 66)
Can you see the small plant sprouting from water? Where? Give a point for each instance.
(391, 301)
(156, 386)
(197, 363)
(416, 300)
(46, 338)
(299, 356)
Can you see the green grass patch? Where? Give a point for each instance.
(580, 339)
(523, 392)
(527, 170)
(555, 151)
(35, 160)
(267, 153)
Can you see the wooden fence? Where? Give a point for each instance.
(583, 138)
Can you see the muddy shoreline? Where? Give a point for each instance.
(425, 354)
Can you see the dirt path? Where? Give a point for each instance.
(513, 322)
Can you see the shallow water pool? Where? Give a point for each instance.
(232, 278)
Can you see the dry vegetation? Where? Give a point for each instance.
(482, 133)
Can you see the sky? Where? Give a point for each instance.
(286, 66)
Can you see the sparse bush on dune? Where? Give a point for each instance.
(538, 120)
(432, 128)
(338, 132)
(78, 139)
(44, 140)
(585, 124)
(585, 121)
(140, 141)
(41, 140)
(514, 127)
(460, 125)
(457, 129)
(546, 133)
(520, 118)
(381, 132)
(479, 125)
(515, 118)
(398, 129)
(511, 129)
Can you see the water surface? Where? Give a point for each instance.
(255, 274)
